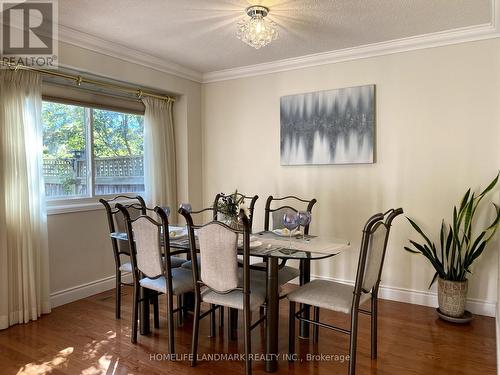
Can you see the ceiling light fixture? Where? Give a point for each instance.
(256, 31)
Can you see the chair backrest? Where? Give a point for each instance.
(116, 220)
(288, 204)
(218, 256)
(218, 246)
(246, 198)
(149, 243)
(372, 252)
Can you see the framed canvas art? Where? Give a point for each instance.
(328, 127)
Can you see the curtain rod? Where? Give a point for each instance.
(79, 80)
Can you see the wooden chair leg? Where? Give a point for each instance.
(118, 294)
(212, 321)
(135, 314)
(221, 317)
(374, 318)
(170, 314)
(353, 341)
(315, 326)
(248, 341)
(291, 331)
(196, 327)
(156, 310)
(180, 311)
(233, 324)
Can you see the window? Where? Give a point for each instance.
(90, 152)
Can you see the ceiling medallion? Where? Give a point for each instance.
(256, 31)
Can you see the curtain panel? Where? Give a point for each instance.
(24, 270)
(159, 154)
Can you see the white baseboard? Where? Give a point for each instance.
(419, 297)
(77, 292)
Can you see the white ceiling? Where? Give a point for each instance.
(200, 34)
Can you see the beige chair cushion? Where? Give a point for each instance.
(285, 274)
(189, 264)
(182, 282)
(234, 299)
(176, 261)
(326, 294)
(126, 267)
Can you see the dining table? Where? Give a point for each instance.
(276, 249)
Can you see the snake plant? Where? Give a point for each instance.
(459, 246)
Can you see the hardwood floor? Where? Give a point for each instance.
(84, 338)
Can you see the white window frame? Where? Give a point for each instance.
(59, 205)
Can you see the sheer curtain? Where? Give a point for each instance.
(24, 275)
(159, 154)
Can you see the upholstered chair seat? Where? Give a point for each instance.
(182, 282)
(189, 263)
(328, 295)
(126, 267)
(176, 262)
(285, 274)
(234, 299)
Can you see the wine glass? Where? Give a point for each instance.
(290, 222)
(304, 220)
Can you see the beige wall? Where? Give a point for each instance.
(80, 250)
(437, 133)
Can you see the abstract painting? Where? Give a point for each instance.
(328, 127)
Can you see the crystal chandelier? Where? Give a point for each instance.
(256, 31)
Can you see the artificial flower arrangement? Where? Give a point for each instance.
(229, 206)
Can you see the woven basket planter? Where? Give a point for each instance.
(451, 297)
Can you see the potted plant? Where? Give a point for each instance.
(459, 247)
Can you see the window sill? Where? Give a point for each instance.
(73, 207)
(67, 207)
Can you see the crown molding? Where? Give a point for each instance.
(92, 43)
(438, 39)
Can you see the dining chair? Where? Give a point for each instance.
(277, 211)
(120, 247)
(220, 281)
(345, 298)
(216, 216)
(152, 268)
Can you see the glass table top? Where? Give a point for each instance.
(268, 244)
